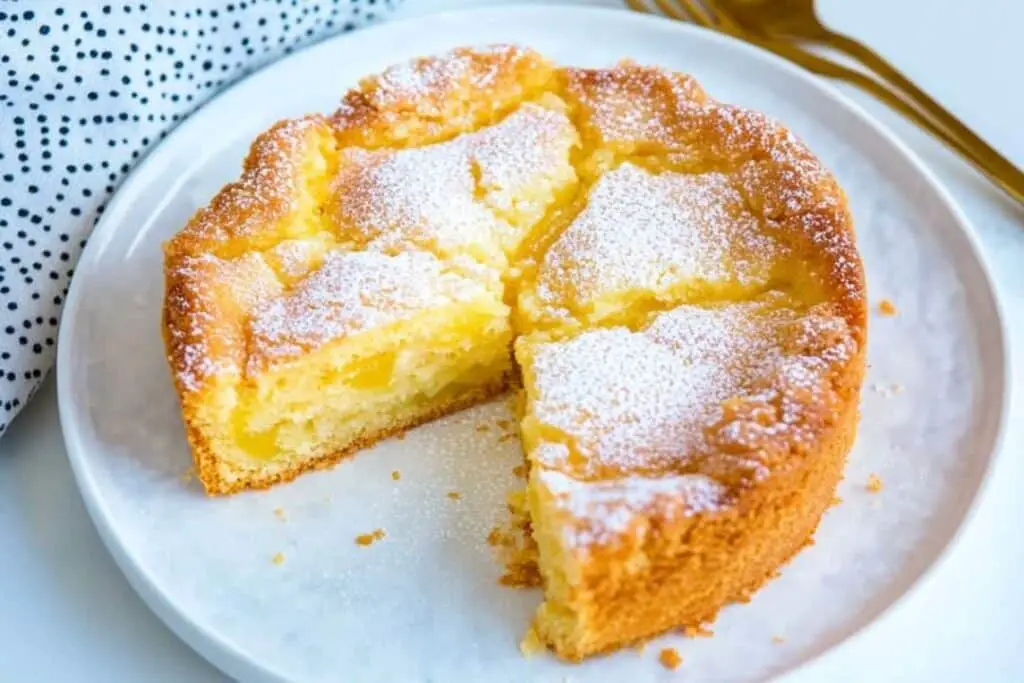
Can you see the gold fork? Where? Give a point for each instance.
(712, 15)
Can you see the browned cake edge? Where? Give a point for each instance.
(695, 566)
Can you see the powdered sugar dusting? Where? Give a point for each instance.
(604, 510)
(680, 227)
(643, 401)
(430, 196)
(636, 401)
(268, 190)
(634, 104)
(422, 78)
(352, 291)
(643, 416)
(207, 302)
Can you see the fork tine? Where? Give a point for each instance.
(693, 10)
(672, 10)
(721, 17)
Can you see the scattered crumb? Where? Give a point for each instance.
(504, 424)
(521, 573)
(887, 308)
(520, 471)
(874, 484)
(514, 545)
(370, 538)
(836, 500)
(187, 476)
(507, 437)
(778, 640)
(278, 558)
(483, 427)
(454, 495)
(531, 643)
(640, 647)
(279, 513)
(396, 475)
(670, 658)
(697, 631)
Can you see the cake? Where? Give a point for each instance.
(670, 283)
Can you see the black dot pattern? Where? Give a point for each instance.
(86, 88)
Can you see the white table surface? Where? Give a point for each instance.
(67, 614)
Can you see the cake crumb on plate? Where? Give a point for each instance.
(778, 640)
(874, 484)
(887, 308)
(700, 631)
(454, 495)
(279, 513)
(396, 475)
(278, 558)
(670, 658)
(370, 538)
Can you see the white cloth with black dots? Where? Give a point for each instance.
(86, 88)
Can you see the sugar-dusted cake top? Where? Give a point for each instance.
(650, 401)
(681, 272)
(679, 415)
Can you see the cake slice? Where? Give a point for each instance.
(349, 284)
(476, 195)
(645, 240)
(674, 468)
(275, 380)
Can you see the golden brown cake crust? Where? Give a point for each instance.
(435, 98)
(673, 565)
(689, 566)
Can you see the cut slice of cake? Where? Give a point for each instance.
(674, 468)
(276, 380)
(336, 294)
(644, 240)
(476, 195)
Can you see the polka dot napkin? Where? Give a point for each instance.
(86, 88)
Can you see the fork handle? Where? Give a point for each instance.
(1000, 169)
(975, 150)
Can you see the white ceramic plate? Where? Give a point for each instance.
(423, 604)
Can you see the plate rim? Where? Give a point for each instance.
(228, 658)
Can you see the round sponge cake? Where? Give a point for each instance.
(672, 284)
